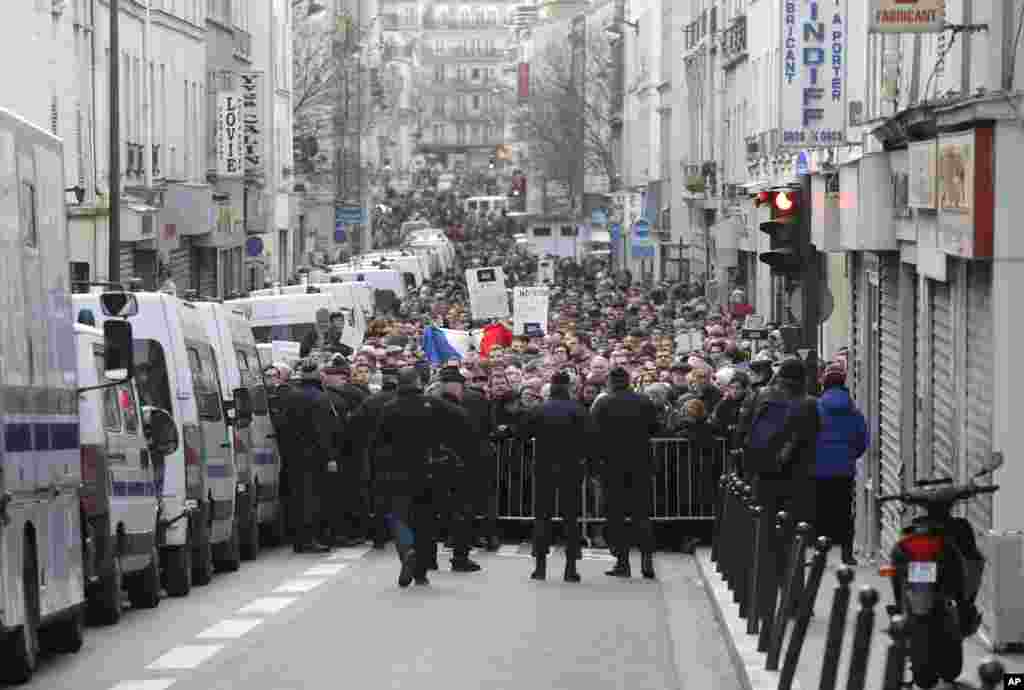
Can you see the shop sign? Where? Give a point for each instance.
(907, 16)
(814, 42)
(921, 171)
(229, 134)
(965, 195)
(252, 121)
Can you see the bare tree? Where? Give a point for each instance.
(550, 117)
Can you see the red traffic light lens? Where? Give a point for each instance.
(783, 201)
(762, 198)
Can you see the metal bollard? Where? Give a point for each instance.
(896, 655)
(836, 629)
(751, 611)
(728, 514)
(806, 610)
(771, 580)
(991, 672)
(745, 556)
(797, 554)
(716, 541)
(732, 532)
(862, 633)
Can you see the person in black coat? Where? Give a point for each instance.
(308, 423)
(409, 429)
(330, 340)
(559, 427)
(624, 422)
(361, 425)
(275, 378)
(341, 497)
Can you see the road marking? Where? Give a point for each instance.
(154, 684)
(229, 629)
(509, 550)
(267, 605)
(327, 570)
(185, 657)
(299, 586)
(350, 554)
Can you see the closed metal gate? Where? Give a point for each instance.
(855, 276)
(980, 381)
(891, 371)
(944, 423)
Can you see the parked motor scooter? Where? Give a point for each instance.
(936, 570)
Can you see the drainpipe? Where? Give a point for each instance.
(147, 98)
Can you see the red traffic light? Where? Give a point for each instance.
(762, 198)
(783, 201)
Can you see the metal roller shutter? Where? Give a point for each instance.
(890, 399)
(980, 381)
(945, 434)
(855, 276)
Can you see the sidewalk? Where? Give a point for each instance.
(750, 662)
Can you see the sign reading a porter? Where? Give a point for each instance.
(229, 134)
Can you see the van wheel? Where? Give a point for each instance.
(230, 559)
(68, 636)
(177, 561)
(106, 608)
(22, 646)
(202, 566)
(144, 587)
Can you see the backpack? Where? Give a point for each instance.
(768, 435)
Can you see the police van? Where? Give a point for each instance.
(379, 279)
(120, 480)
(292, 316)
(257, 463)
(177, 370)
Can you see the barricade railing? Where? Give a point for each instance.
(769, 586)
(684, 485)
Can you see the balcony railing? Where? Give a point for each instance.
(454, 23)
(393, 20)
(464, 52)
(734, 42)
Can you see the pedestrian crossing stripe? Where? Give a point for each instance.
(526, 551)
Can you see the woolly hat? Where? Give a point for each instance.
(835, 375)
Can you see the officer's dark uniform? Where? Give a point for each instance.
(484, 481)
(624, 423)
(331, 341)
(361, 426)
(559, 427)
(309, 421)
(408, 429)
(278, 402)
(343, 503)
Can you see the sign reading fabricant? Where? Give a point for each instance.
(252, 120)
(813, 73)
(907, 16)
(229, 134)
(530, 306)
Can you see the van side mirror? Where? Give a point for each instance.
(243, 407)
(118, 358)
(161, 432)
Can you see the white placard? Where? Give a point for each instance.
(253, 92)
(285, 351)
(488, 298)
(545, 271)
(530, 306)
(230, 149)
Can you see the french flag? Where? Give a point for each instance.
(437, 346)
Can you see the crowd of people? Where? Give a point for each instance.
(618, 364)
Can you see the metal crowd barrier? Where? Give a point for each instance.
(685, 485)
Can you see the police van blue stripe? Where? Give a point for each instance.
(22, 437)
(262, 456)
(131, 489)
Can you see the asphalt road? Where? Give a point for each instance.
(288, 622)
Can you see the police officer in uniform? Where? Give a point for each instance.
(409, 428)
(308, 422)
(559, 427)
(624, 422)
(340, 495)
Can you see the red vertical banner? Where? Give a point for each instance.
(524, 80)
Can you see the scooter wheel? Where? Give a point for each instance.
(925, 652)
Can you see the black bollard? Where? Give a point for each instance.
(749, 552)
(716, 541)
(772, 580)
(862, 632)
(735, 531)
(991, 673)
(743, 553)
(806, 609)
(751, 610)
(896, 655)
(798, 550)
(836, 629)
(728, 518)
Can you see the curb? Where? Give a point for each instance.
(748, 661)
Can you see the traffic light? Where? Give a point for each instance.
(786, 255)
(491, 164)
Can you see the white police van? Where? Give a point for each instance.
(177, 370)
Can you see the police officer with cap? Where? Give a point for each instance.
(409, 429)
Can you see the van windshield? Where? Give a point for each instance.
(151, 374)
(292, 332)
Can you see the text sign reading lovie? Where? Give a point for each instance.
(230, 150)
(814, 40)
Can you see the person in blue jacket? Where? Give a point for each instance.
(842, 440)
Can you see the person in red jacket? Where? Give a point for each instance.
(495, 334)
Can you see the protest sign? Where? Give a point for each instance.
(530, 311)
(488, 298)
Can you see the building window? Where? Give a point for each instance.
(568, 231)
(542, 232)
(476, 103)
(476, 73)
(28, 214)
